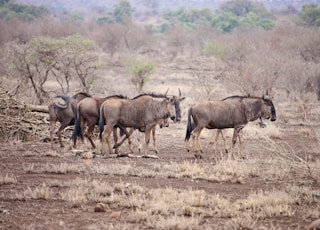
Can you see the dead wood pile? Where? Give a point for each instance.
(18, 122)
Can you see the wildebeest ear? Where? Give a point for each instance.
(266, 96)
(182, 98)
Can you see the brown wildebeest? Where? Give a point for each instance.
(143, 113)
(63, 109)
(233, 99)
(223, 114)
(88, 113)
(162, 123)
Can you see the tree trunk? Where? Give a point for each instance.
(39, 108)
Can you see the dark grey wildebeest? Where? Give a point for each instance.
(234, 99)
(143, 113)
(88, 113)
(223, 114)
(63, 109)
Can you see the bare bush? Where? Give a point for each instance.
(110, 37)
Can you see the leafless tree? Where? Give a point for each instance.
(43, 58)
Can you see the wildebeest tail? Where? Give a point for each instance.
(77, 132)
(102, 123)
(190, 126)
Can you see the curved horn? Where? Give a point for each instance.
(166, 92)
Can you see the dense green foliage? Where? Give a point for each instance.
(121, 13)
(10, 10)
(243, 14)
(311, 15)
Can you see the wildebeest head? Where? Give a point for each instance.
(175, 102)
(268, 110)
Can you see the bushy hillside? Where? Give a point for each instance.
(164, 4)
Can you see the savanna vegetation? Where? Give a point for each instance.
(271, 182)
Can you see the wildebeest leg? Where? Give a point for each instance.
(195, 138)
(224, 141)
(215, 144)
(115, 140)
(236, 134)
(127, 136)
(105, 139)
(89, 133)
(219, 131)
(154, 139)
(62, 127)
(130, 140)
(52, 126)
(147, 140)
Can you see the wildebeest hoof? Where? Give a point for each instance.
(227, 151)
(198, 156)
(262, 125)
(115, 146)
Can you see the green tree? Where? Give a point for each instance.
(247, 15)
(311, 15)
(237, 7)
(225, 22)
(3, 2)
(122, 12)
(11, 10)
(141, 72)
(189, 18)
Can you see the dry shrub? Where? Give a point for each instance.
(268, 204)
(17, 121)
(8, 179)
(175, 222)
(306, 194)
(39, 192)
(75, 196)
(62, 168)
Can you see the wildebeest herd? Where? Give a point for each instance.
(145, 111)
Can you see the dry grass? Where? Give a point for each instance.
(268, 204)
(75, 196)
(8, 179)
(38, 192)
(171, 208)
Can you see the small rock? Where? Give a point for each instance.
(115, 215)
(100, 207)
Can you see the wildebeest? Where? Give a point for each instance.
(234, 99)
(162, 123)
(88, 113)
(224, 114)
(142, 112)
(63, 109)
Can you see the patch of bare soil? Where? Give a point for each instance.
(22, 206)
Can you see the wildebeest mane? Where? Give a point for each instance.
(120, 96)
(234, 96)
(82, 94)
(157, 95)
